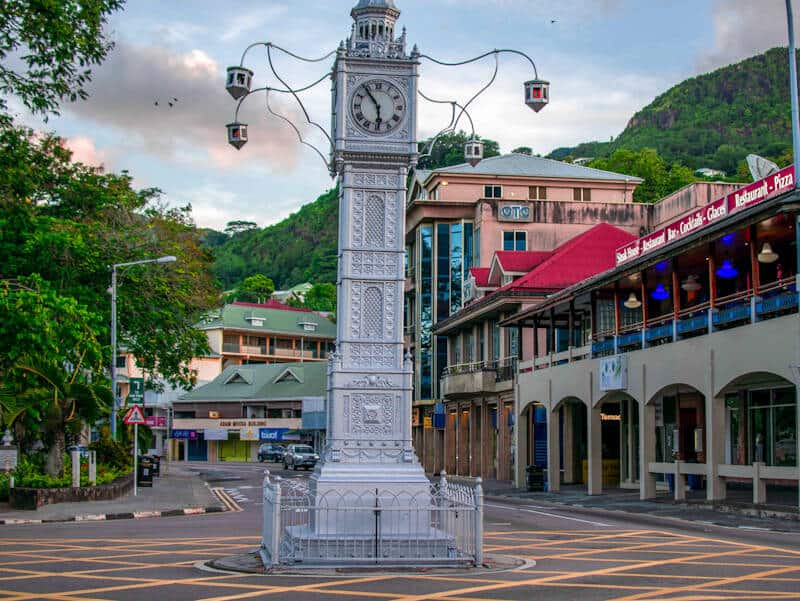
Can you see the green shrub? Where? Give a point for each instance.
(4, 477)
(113, 454)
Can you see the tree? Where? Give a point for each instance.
(66, 223)
(255, 289)
(56, 44)
(523, 150)
(236, 227)
(449, 150)
(321, 297)
(68, 398)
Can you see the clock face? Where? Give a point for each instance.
(378, 106)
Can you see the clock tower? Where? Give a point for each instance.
(368, 447)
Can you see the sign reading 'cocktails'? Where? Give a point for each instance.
(777, 183)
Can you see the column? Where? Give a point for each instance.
(553, 471)
(523, 435)
(595, 451)
(569, 445)
(714, 437)
(647, 450)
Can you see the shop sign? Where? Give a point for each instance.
(271, 433)
(248, 433)
(514, 211)
(215, 434)
(614, 373)
(242, 423)
(156, 421)
(136, 391)
(759, 191)
(427, 422)
(415, 417)
(184, 434)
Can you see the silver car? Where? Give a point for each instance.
(299, 455)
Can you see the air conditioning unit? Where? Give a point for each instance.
(213, 414)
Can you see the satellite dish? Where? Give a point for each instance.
(760, 167)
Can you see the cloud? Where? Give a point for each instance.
(252, 20)
(84, 151)
(192, 131)
(743, 28)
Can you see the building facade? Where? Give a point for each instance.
(245, 406)
(457, 217)
(680, 364)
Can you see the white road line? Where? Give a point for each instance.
(552, 515)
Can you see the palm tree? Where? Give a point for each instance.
(69, 397)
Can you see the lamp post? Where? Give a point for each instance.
(113, 291)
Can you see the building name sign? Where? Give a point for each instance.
(184, 434)
(514, 211)
(242, 423)
(770, 186)
(614, 373)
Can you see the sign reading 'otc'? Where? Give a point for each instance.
(514, 211)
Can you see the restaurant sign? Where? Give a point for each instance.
(759, 191)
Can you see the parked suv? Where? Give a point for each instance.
(299, 455)
(271, 452)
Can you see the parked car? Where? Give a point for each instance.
(299, 455)
(271, 452)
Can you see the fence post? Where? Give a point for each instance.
(478, 494)
(276, 526)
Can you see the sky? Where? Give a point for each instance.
(605, 59)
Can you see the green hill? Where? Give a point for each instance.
(712, 120)
(302, 247)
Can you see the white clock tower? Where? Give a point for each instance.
(370, 379)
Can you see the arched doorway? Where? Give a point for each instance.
(619, 427)
(573, 453)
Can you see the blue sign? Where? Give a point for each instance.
(184, 434)
(271, 433)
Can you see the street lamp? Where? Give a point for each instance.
(113, 291)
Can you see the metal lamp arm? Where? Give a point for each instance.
(496, 51)
(294, 127)
(292, 54)
(279, 90)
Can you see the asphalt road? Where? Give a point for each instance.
(572, 553)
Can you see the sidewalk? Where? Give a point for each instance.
(176, 492)
(734, 512)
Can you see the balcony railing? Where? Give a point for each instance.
(503, 369)
(774, 300)
(246, 349)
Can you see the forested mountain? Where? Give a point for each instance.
(712, 120)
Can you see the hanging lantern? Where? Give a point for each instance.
(537, 94)
(691, 283)
(632, 302)
(767, 255)
(237, 134)
(660, 293)
(727, 271)
(473, 152)
(238, 82)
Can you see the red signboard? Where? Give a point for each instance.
(777, 183)
(156, 421)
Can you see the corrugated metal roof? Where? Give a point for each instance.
(523, 165)
(276, 318)
(263, 382)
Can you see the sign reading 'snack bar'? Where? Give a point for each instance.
(777, 183)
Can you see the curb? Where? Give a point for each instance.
(135, 515)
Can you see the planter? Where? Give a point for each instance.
(33, 498)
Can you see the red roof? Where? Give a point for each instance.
(481, 275)
(273, 304)
(521, 260)
(585, 255)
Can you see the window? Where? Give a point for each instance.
(493, 192)
(516, 240)
(582, 194)
(537, 193)
(121, 361)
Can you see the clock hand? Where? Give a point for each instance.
(375, 102)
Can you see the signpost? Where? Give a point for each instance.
(136, 394)
(135, 416)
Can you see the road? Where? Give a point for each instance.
(572, 554)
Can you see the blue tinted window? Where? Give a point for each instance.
(425, 310)
(508, 240)
(468, 248)
(442, 271)
(456, 264)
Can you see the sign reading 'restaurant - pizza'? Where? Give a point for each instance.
(777, 183)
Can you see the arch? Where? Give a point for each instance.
(753, 379)
(681, 387)
(568, 399)
(614, 396)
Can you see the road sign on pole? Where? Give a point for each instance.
(135, 416)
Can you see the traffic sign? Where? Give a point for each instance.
(135, 416)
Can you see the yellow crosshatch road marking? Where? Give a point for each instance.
(620, 565)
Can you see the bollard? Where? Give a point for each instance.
(93, 468)
(478, 492)
(76, 468)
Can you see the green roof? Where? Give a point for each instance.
(263, 318)
(263, 382)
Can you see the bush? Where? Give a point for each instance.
(114, 454)
(3, 486)
(30, 475)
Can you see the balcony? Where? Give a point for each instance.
(262, 351)
(467, 379)
(743, 308)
